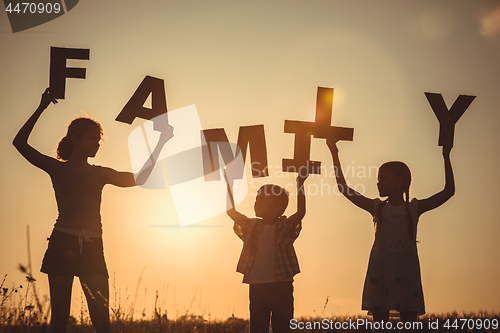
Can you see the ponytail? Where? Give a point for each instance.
(378, 213)
(411, 225)
(64, 149)
(77, 127)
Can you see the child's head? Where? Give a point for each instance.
(83, 134)
(271, 201)
(393, 178)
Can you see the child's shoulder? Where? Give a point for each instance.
(413, 204)
(283, 219)
(377, 201)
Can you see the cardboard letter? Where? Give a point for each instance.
(216, 140)
(448, 118)
(254, 137)
(248, 136)
(180, 167)
(70, 4)
(59, 72)
(324, 104)
(320, 128)
(135, 106)
(302, 147)
(323, 121)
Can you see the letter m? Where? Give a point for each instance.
(218, 143)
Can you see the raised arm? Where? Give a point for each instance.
(44, 162)
(449, 187)
(236, 216)
(301, 199)
(128, 179)
(241, 222)
(356, 198)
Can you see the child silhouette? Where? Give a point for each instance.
(393, 279)
(75, 245)
(268, 261)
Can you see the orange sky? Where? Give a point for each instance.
(246, 63)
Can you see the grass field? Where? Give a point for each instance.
(196, 324)
(23, 310)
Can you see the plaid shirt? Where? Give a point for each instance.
(287, 230)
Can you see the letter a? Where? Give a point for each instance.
(135, 106)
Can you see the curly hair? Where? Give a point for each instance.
(77, 127)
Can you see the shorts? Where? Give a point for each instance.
(63, 256)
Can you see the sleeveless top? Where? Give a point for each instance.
(78, 197)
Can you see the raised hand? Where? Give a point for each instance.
(446, 150)
(167, 134)
(47, 98)
(229, 183)
(302, 175)
(331, 142)
(440, 198)
(44, 162)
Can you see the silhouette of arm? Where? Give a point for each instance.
(44, 162)
(295, 221)
(449, 188)
(230, 206)
(128, 179)
(356, 198)
(241, 222)
(301, 199)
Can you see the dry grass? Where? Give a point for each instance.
(22, 310)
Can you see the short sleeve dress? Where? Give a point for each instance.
(393, 280)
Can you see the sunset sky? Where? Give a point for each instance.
(256, 62)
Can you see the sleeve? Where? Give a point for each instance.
(294, 226)
(287, 231)
(243, 226)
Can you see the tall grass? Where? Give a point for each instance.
(21, 307)
(22, 310)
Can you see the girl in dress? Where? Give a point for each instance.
(393, 277)
(75, 245)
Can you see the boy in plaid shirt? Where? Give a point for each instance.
(268, 261)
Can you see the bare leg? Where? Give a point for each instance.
(410, 317)
(96, 291)
(60, 301)
(382, 318)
